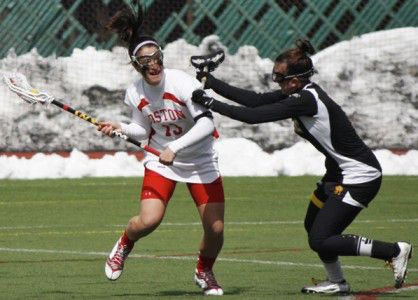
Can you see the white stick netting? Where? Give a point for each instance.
(18, 84)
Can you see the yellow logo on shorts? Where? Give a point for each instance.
(338, 190)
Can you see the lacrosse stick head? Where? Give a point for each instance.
(208, 62)
(19, 85)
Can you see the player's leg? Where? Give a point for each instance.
(156, 192)
(397, 254)
(212, 215)
(317, 200)
(335, 282)
(209, 199)
(340, 209)
(329, 222)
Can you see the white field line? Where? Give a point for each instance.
(290, 222)
(193, 258)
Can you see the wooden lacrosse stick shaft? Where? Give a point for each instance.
(94, 121)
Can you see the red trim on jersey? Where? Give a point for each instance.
(215, 134)
(142, 104)
(171, 97)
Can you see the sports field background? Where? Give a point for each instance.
(56, 234)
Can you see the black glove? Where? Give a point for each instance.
(200, 75)
(200, 97)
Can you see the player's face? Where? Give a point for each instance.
(149, 63)
(288, 85)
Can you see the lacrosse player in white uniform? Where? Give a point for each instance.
(163, 112)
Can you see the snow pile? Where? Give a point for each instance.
(373, 77)
(237, 157)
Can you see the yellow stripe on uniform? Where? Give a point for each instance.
(318, 203)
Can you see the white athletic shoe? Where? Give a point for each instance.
(207, 282)
(327, 287)
(116, 260)
(399, 263)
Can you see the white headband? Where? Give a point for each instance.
(142, 44)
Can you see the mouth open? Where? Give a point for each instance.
(154, 72)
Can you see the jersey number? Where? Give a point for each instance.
(172, 129)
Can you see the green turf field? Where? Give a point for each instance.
(55, 235)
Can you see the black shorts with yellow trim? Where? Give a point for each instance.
(363, 193)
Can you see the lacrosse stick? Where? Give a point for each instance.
(18, 84)
(207, 63)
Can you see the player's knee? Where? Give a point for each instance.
(215, 229)
(148, 222)
(151, 222)
(316, 243)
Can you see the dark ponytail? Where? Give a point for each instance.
(297, 59)
(127, 24)
(305, 46)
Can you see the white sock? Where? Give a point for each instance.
(334, 271)
(365, 246)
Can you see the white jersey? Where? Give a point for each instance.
(166, 112)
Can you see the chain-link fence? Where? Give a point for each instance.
(59, 26)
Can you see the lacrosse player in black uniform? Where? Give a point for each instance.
(353, 174)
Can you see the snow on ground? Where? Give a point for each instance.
(237, 157)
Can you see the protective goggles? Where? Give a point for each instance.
(146, 60)
(279, 77)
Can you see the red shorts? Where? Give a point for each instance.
(156, 186)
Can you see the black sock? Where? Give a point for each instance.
(385, 251)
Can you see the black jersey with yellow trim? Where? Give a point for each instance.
(323, 123)
(348, 159)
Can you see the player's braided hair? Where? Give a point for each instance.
(297, 59)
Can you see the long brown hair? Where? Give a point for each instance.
(127, 23)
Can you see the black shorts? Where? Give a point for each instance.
(363, 193)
